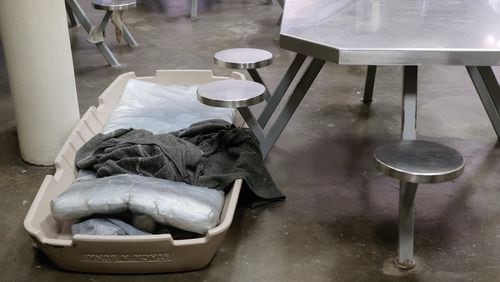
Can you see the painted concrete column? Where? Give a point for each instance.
(38, 55)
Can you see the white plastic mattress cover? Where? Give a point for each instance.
(161, 109)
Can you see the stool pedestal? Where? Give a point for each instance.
(406, 225)
(114, 10)
(414, 162)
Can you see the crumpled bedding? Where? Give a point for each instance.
(140, 152)
(204, 153)
(177, 204)
(212, 153)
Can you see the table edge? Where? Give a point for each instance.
(338, 55)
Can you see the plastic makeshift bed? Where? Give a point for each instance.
(120, 254)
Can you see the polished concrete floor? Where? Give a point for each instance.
(339, 222)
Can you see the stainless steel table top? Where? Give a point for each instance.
(394, 32)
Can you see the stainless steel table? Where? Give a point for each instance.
(408, 33)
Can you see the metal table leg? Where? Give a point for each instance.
(369, 84)
(291, 105)
(194, 9)
(105, 21)
(71, 16)
(486, 85)
(256, 77)
(280, 91)
(117, 19)
(252, 124)
(409, 114)
(282, 5)
(268, 140)
(87, 25)
(107, 54)
(128, 37)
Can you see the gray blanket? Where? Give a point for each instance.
(105, 226)
(211, 153)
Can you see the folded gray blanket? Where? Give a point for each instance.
(105, 226)
(211, 153)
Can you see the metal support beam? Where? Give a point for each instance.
(268, 140)
(280, 91)
(128, 37)
(281, 3)
(254, 74)
(87, 25)
(405, 258)
(369, 84)
(71, 16)
(486, 85)
(105, 21)
(409, 114)
(78, 12)
(252, 123)
(291, 105)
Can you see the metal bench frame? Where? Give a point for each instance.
(74, 9)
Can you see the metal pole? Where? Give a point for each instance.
(369, 84)
(280, 91)
(409, 114)
(252, 123)
(78, 12)
(194, 9)
(71, 16)
(291, 105)
(87, 25)
(406, 225)
(489, 92)
(105, 21)
(254, 74)
(128, 37)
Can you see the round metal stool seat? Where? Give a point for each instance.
(231, 93)
(419, 161)
(113, 5)
(243, 58)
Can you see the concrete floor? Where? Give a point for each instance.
(339, 222)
